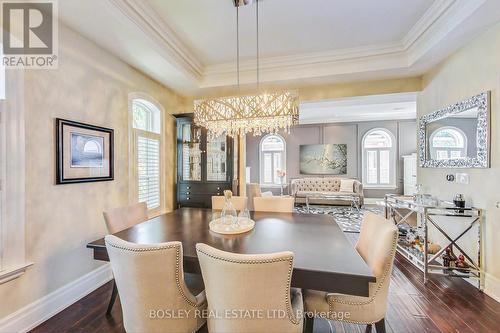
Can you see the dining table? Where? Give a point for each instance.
(324, 259)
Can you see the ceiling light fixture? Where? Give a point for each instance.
(239, 115)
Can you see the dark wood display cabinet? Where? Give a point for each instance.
(204, 165)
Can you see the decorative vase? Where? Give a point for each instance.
(281, 175)
(228, 215)
(459, 202)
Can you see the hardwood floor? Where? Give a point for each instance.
(443, 305)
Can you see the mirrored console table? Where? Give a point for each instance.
(414, 243)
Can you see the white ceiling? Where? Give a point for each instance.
(190, 45)
(362, 108)
(288, 27)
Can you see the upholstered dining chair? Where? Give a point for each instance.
(257, 287)
(122, 218)
(119, 219)
(239, 203)
(274, 204)
(253, 191)
(150, 279)
(377, 246)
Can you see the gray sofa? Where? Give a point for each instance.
(302, 187)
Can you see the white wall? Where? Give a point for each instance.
(90, 86)
(473, 69)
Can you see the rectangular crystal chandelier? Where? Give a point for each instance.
(239, 115)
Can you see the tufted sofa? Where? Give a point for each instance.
(303, 186)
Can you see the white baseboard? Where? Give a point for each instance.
(492, 287)
(44, 308)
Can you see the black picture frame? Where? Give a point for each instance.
(60, 144)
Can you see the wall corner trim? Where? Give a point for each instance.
(492, 286)
(49, 305)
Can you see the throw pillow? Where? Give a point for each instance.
(347, 185)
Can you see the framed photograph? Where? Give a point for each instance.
(84, 153)
(329, 159)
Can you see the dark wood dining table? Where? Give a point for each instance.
(324, 259)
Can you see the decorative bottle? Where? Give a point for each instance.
(446, 257)
(228, 215)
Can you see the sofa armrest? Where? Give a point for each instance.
(358, 188)
(293, 187)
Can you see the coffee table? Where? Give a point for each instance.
(353, 198)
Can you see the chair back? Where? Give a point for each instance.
(151, 278)
(377, 245)
(122, 218)
(274, 204)
(253, 191)
(239, 203)
(258, 284)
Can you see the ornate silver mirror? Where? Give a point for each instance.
(457, 136)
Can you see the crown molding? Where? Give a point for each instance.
(270, 63)
(156, 29)
(454, 14)
(310, 65)
(434, 12)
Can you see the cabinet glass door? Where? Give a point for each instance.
(191, 153)
(217, 159)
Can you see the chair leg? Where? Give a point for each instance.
(380, 326)
(112, 300)
(309, 324)
(369, 328)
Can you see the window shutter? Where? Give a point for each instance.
(148, 171)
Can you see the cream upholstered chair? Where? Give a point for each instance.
(274, 204)
(122, 218)
(257, 285)
(239, 203)
(150, 279)
(119, 219)
(253, 191)
(377, 246)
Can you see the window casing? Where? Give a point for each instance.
(13, 261)
(379, 159)
(448, 143)
(147, 153)
(272, 159)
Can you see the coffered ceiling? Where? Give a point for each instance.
(191, 45)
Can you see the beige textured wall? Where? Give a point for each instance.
(325, 91)
(471, 70)
(362, 88)
(90, 86)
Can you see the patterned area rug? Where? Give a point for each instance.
(349, 219)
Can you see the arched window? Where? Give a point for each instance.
(379, 158)
(448, 143)
(146, 143)
(272, 159)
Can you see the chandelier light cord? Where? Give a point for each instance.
(238, 45)
(258, 60)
